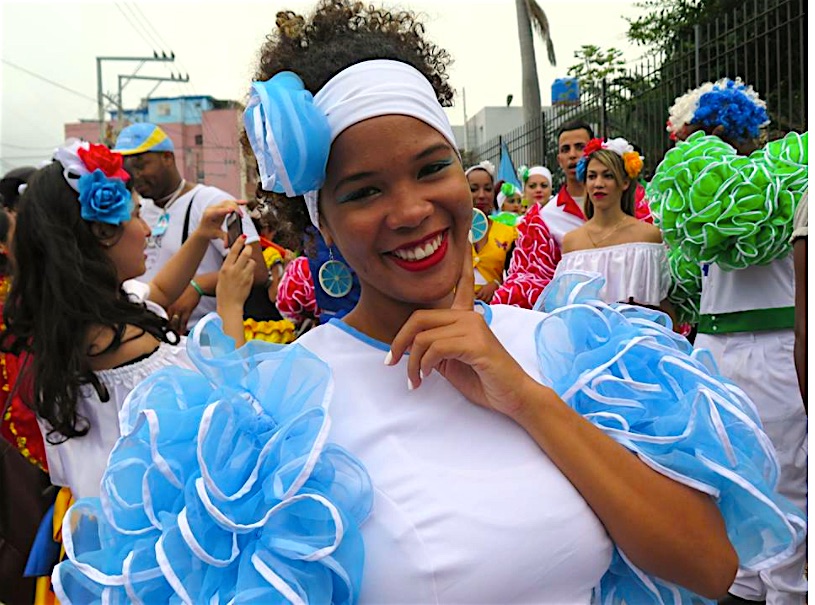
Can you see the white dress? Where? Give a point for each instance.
(79, 462)
(637, 270)
(467, 507)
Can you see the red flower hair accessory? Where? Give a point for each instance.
(592, 146)
(109, 162)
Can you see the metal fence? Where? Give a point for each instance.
(764, 42)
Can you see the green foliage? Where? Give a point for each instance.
(666, 22)
(596, 65)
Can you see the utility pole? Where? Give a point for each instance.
(100, 96)
(124, 79)
(464, 103)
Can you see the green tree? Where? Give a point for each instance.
(531, 16)
(664, 23)
(596, 65)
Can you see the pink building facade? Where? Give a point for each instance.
(208, 152)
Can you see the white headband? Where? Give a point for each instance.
(539, 171)
(502, 197)
(377, 88)
(484, 165)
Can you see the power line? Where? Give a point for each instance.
(140, 31)
(28, 148)
(44, 79)
(155, 31)
(181, 65)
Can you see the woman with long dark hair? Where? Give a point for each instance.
(90, 331)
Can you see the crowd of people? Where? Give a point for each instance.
(389, 378)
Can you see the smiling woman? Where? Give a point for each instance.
(497, 440)
(467, 399)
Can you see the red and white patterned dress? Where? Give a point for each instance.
(296, 299)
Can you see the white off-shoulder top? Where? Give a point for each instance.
(637, 270)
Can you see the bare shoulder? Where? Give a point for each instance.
(574, 240)
(649, 233)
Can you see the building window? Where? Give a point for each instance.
(163, 109)
(199, 139)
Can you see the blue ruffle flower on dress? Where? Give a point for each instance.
(223, 488)
(622, 368)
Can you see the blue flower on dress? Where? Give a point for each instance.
(103, 199)
(223, 488)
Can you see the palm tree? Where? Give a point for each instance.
(530, 14)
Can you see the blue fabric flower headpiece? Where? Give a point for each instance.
(291, 132)
(96, 174)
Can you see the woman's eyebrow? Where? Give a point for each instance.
(431, 150)
(353, 178)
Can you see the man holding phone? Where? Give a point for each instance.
(172, 208)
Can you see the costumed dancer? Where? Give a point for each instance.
(726, 208)
(492, 240)
(201, 474)
(510, 201)
(627, 252)
(71, 317)
(541, 232)
(496, 409)
(464, 437)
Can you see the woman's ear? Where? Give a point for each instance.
(107, 234)
(325, 232)
(626, 184)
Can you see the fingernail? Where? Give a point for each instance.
(243, 236)
(410, 385)
(388, 358)
(423, 374)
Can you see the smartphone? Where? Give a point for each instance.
(233, 229)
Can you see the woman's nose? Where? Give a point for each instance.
(408, 209)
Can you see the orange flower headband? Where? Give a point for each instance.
(631, 159)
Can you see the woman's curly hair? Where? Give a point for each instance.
(341, 33)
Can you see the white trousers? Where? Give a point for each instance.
(762, 364)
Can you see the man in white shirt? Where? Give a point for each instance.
(172, 208)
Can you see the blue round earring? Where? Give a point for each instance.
(479, 227)
(335, 277)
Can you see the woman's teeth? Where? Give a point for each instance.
(419, 252)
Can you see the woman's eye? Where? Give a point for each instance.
(434, 168)
(358, 194)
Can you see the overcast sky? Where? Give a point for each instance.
(217, 43)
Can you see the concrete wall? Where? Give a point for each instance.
(492, 122)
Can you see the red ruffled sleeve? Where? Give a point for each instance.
(533, 263)
(296, 300)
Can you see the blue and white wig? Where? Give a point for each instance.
(728, 103)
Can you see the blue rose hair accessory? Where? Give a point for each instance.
(289, 135)
(96, 174)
